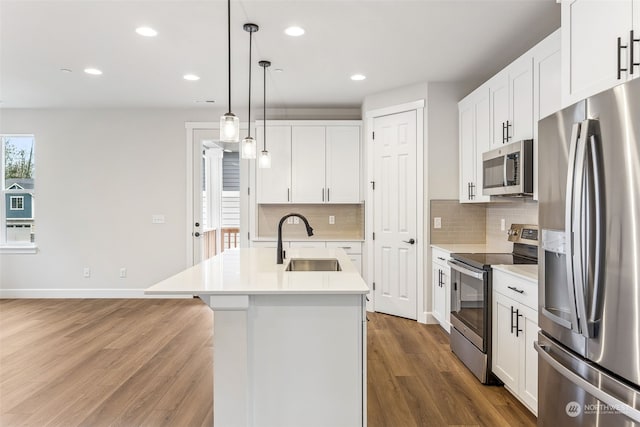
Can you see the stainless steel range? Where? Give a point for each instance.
(471, 293)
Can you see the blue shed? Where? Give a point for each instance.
(19, 205)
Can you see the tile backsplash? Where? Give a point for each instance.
(461, 223)
(480, 223)
(349, 221)
(518, 212)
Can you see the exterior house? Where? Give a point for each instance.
(19, 202)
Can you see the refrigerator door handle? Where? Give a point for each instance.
(594, 309)
(593, 390)
(569, 223)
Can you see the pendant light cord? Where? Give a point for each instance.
(229, 46)
(264, 106)
(249, 115)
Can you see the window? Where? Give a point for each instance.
(17, 203)
(17, 219)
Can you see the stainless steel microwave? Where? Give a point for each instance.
(508, 170)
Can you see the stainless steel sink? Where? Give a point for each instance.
(304, 264)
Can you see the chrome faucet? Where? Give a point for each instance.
(279, 249)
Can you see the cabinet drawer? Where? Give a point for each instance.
(440, 257)
(518, 289)
(349, 247)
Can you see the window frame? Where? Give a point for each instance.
(13, 247)
(16, 199)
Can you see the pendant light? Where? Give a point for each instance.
(229, 122)
(248, 149)
(265, 157)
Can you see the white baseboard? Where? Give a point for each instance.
(80, 293)
(430, 320)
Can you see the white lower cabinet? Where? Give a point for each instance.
(352, 248)
(514, 329)
(441, 288)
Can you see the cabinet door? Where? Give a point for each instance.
(499, 87)
(636, 45)
(274, 184)
(520, 124)
(505, 360)
(467, 148)
(529, 364)
(308, 164)
(589, 43)
(482, 143)
(343, 164)
(547, 80)
(446, 285)
(439, 295)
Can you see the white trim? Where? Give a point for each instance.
(81, 293)
(395, 109)
(319, 122)
(14, 248)
(421, 238)
(14, 184)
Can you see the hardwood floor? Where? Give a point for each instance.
(149, 363)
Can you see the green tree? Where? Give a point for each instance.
(18, 163)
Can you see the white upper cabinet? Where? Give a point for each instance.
(512, 102)
(343, 164)
(274, 183)
(307, 164)
(311, 162)
(597, 46)
(474, 134)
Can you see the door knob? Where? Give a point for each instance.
(410, 241)
(196, 234)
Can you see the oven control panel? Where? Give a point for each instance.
(523, 233)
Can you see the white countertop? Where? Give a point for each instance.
(251, 271)
(528, 272)
(307, 239)
(464, 247)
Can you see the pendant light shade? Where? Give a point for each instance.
(249, 146)
(229, 123)
(265, 157)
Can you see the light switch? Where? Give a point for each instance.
(437, 222)
(332, 219)
(157, 219)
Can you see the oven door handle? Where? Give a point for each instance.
(465, 270)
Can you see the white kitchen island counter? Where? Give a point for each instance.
(289, 347)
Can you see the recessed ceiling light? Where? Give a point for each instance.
(191, 77)
(205, 101)
(358, 77)
(294, 31)
(93, 71)
(146, 31)
(226, 150)
(66, 70)
(278, 70)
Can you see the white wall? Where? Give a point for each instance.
(100, 175)
(440, 150)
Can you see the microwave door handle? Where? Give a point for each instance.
(504, 171)
(581, 218)
(570, 195)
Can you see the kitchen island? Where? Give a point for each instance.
(289, 346)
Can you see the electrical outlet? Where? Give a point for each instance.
(296, 220)
(437, 222)
(157, 219)
(123, 272)
(332, 219)
(290, 220)
(86, 272)
(503, 224)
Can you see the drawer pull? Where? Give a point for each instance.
(441, 259)
(345, 247)
(513, 288)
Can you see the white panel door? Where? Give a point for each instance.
(274, 184)
(308, 164)
(395, 221)
(343, 164)
(505, 360)
(521, 100)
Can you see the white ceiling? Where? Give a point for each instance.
(394, 43)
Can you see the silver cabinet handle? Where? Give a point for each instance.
(513, 288)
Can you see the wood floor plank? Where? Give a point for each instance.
(91, 363)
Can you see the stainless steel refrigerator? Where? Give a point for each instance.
(589, 262)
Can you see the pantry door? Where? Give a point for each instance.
(395, 214)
